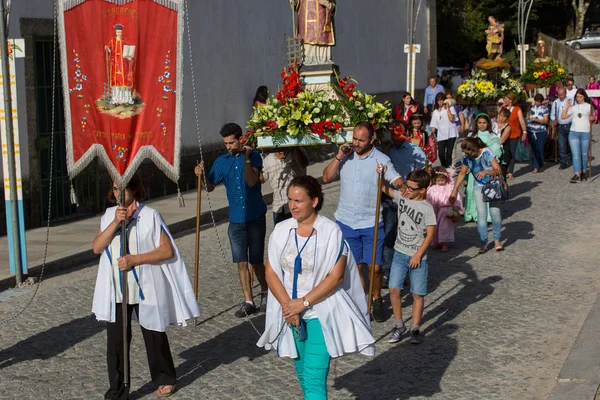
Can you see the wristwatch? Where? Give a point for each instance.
(305, 302)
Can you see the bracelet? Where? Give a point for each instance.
(337, 159)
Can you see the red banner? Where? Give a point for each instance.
(121, 70)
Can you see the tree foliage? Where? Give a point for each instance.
(460, 25)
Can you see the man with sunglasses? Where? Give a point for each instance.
(355, 166)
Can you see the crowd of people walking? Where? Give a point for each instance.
(312, 285)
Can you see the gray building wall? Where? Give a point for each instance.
(237, 46)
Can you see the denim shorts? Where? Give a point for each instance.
(361, 243)
(418, 276)
(248, 240)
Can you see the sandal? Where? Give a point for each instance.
(483, 250)
(499, 248)
(160, 392)
(535, 171)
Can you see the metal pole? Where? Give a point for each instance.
(124, 304)
(10, 144)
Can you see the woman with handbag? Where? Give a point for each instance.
(487, 175)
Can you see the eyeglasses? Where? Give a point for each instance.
(412, 189)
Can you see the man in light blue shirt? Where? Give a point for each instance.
(355, 214)
(430, 92)
(406, 157)
(563, 125)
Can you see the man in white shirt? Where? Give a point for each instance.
(280, 168)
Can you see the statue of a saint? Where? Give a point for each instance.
(494, 37)
(541, 48)
(120, 68)
(315, 26)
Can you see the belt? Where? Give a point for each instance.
(565, 124)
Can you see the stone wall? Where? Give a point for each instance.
(571, 60)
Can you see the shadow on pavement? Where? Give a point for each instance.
(401, 373)
(225, 348)
(52, 342)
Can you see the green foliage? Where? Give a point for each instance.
(461, 24)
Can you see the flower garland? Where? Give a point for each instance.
(294, 112)
(544, 74)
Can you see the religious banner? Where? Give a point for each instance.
(121, 73)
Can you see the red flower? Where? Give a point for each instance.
(292, 84)
(337, 126)
(318, 128)
(271, 125)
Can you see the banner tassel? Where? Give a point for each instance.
(74, 200)
(180, 197)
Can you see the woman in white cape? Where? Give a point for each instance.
(316, 308)
(160, 291)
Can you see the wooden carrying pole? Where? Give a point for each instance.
(375, 237)
(198, 211)
(590, 151)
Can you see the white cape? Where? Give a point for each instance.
(343, 315)
(168, 294)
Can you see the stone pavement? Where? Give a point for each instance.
(497, 326)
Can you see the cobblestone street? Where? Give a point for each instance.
(497, 325)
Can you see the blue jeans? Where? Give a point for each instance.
(248, 240)
(482, 216)
(312, 364)
(537, 147)
(580, 146)
(418, 276)
(389, 215)
(563, 134)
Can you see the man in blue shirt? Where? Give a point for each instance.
(355, 214)
(430, 92)
(239, 169)
(563, 124)
(406, 157)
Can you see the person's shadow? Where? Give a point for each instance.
(418, 370)
(404, 371)
(225, 348)
(50, 343)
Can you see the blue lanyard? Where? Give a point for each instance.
(135, 275)
(298, 271)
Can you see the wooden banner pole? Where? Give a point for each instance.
(375, 237)
(198, 212)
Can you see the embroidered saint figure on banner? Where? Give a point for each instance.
(120, 66)
(120, 98)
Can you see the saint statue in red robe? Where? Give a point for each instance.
(315, 26)
(120, 68)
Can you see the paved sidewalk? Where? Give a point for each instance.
(70, 245)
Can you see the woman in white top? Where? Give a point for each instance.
(582, 113)
(316, 307)
(160, 291)
(443, 126)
